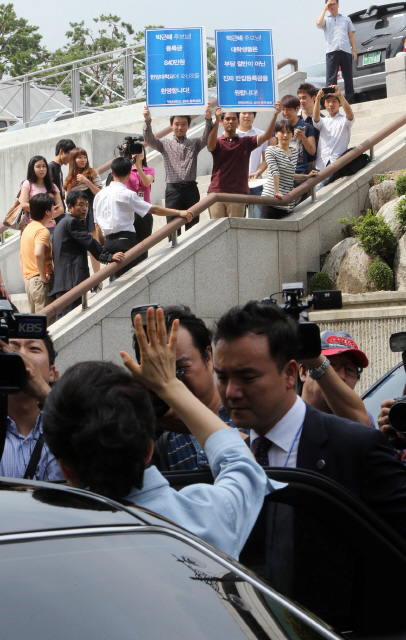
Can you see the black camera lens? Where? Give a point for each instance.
(397, 415)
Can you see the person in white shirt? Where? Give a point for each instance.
(114, 209)
(246, 128)
(335, 130)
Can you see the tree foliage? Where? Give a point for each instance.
(20, 44)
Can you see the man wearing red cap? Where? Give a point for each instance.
(329, 380)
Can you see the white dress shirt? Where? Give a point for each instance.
(256, 155)
(284, 436)
(336, 32)
(114, 207)
(335, 134)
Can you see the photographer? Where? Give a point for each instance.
(99, 423)
(332, 389)
(387, 429)
(25, 453)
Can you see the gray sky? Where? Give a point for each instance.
(293, 20)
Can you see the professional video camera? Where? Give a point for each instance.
(397, 412)
(12, 367)
(131, 145)
(294, 305)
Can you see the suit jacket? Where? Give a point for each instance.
(70, 246)
(358, 458)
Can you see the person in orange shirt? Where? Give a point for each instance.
(36, 252)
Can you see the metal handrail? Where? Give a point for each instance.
(209, 200)
(294, 64)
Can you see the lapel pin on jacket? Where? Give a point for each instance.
(321, 464)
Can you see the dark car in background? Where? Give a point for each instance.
(380, 33)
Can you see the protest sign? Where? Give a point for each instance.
(176, 71)
(246, 69)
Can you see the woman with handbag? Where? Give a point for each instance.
(82, 177)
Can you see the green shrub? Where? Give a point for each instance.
(401, 185)
(374, 235)
(349, 225)
(320, 282)
(381, 275)
(8, 234)
(401, 211)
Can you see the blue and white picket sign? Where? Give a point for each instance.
(176, 71)
(246, 69)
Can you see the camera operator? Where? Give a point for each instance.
(386, 428)
(256, 347)
(141, 178)
(114, 209)
(25, 453)
(337, 371)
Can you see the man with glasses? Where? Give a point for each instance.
(341, 46)
(329, 380)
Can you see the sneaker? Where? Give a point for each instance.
(97, 288)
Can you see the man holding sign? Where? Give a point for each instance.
(180, 160)
(231, 158)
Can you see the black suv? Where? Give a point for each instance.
(380, 33)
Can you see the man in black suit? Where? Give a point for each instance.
(254, 358)
(70, 247)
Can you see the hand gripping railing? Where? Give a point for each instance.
(209, 200)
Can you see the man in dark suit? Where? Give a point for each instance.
(254, 358)
(70, 247)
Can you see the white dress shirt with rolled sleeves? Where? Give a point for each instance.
(114, 208)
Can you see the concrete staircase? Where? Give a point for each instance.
(372, 116)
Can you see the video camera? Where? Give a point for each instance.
(397, 412)
(12, 368)
(295, 306)
(131, 145)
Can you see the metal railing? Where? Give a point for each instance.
(171, 228)
(294, 65)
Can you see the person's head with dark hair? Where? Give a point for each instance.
(254, 359)
(62, 151)
(37, 171)
(121, 168)
(41, 206)
(246, 120)
(307, 95)
(77, 203)
(180, 125)
(100, 425)
(230, 120)
(290, 107)
(284, 125)
(193, 353)
(332, 6)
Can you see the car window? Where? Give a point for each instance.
(66, 116)
(388, 24)
(133, 585)
(316, 71)
(391, 387)
(44, 116)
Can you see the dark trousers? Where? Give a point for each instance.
(143, 229)
(182, 197)
(272, 213)
(121, 241)
(69, 308)
(342, 59)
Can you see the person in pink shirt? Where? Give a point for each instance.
(39, 181)
(141, 179)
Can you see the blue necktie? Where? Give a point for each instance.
(260, 448)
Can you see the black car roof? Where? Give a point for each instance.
(384, 9)
(41, 506)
